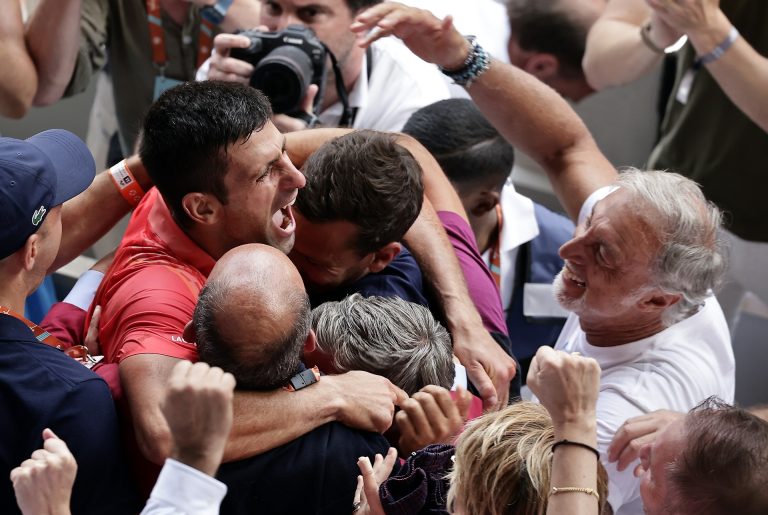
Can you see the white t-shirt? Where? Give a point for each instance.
(399, 84)
(675, 369)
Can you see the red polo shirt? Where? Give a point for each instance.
(149, 293)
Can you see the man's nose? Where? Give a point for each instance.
(292, 178)
(573, 250)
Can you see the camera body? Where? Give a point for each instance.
(286, 63)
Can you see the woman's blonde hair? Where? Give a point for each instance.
(503, 463)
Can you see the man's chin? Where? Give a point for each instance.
(566, 301)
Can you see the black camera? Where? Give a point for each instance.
(286, 63)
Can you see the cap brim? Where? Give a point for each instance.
(71, 159)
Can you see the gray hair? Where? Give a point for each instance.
(387, 336)
(691, 261)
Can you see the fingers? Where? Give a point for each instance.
(92, 335)
(387, 465)
(637, 432)
(223, 43)
(399, 395)
(223, 67)
(418, 418)
(463, 401)
(48, 433)
(308, 102)
(484, 385)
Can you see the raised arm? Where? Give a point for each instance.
(532, 116)
(54, 41)
(741, 71)
(616, 53)
(80, 228)
(19, 81)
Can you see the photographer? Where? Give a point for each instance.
(384, 85)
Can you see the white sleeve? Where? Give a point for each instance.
(202, 73)
(183, 490)
(613, 408)
(84, 290)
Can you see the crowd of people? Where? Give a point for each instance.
(340, 308)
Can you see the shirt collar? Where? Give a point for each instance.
(162, 223)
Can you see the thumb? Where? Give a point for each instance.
(484, 385)
(48, 434)
(308, 102)
(463, 401)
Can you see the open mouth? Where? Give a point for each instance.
(572, 278)
(283, 218)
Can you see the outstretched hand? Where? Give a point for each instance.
(434, 40)
(636, 432)
(489, 368)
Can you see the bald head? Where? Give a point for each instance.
(252, 317)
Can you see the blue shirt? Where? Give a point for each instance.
(42, 387)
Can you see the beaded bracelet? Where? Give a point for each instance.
(476, 63)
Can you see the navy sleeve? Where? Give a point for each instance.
(86, 420)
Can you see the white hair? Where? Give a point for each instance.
(691, 261)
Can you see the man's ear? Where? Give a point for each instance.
(543, 66)
(189, 334)
(658, 300)
(384, 256)
(202, 208)
(310, 344)
(28, 253)
(486, 201)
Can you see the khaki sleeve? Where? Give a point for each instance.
(92, 54)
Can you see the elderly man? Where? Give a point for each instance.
(384, 84)
(645, 256)
(253, 320)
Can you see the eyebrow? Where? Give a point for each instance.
(275, 160)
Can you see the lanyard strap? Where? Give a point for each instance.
(77, 352)
(41, 334)
(157, 37)
(495, 250)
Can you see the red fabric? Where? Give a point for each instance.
(66, 322)
(149, 293)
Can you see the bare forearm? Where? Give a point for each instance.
(263, 421)
(19, 82)
(741, 72)
(574, 466)
(80, 228)
(615, 54)
(53, 38)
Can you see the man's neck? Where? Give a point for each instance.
(350, 68)
(607, 334)
(12, 296)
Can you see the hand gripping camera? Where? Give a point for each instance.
(286, 63)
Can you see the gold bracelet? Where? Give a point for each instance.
(567, 489)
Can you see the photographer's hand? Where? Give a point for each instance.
(223, 67)
(286, 123)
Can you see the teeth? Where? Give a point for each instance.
(575, 279)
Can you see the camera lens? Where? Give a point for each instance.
(283, 75)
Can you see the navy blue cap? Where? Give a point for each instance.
(36, 175)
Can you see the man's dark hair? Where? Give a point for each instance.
(549, 26)
(723, 467)
(256, 365)
(468, 148)
(366, 178)
(188, 131)
(357, 5)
